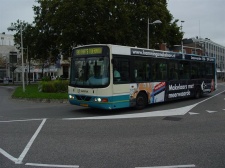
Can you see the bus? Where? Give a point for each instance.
(107, 76)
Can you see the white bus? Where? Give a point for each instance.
(109, 76)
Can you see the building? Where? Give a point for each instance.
(6, 46)
(33, 70)
(205, 47)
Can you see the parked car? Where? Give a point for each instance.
(53, 77)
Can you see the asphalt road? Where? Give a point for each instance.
(187, 133)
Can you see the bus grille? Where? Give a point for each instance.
(85, 98)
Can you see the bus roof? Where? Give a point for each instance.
(135, 51)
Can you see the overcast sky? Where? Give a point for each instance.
(204, 18)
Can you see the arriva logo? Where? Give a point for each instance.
(84, 91)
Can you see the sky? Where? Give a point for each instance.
(12, 10)
(202, 18)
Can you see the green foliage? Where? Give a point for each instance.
(33, 92)
(59, 25)
(59, 86)
(46, 78)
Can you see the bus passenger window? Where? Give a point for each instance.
(159, 70)
(121, 70)
(173, 74)
(173, 69)
(116, 73)
(184, 70)
(140, 73)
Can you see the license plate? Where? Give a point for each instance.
(84, 105)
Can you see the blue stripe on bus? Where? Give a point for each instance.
(114, 102)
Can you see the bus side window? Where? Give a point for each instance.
(124, 71)
(173, 74)
(209, 71)
(173, 69)
(140, 73)
(184, 70)
(121, 70)
(159, 71)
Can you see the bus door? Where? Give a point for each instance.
(121, 79)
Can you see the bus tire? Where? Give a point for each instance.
(141, 101)
(198, 93)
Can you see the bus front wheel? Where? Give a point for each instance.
(141, 101)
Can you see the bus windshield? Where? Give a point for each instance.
(90, 72)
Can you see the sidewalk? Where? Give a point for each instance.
(220, 81)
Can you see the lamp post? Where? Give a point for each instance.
(2, 38)
(27, 65)
(6, 67)
(155, 22)
(12, 28)
(182, 46)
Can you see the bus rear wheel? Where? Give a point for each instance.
(198, 93)
(141, 101)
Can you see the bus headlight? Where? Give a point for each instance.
(98, 99)
(71, 97)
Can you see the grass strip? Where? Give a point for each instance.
(31, 91)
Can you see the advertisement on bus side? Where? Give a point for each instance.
(164, 91)
(155, 91)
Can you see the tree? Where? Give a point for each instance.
(61, 24)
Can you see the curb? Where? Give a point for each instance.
(61, 101)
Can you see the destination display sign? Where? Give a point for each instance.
(88, 51)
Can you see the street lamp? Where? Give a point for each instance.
(155, 22)
(6, 68)
(2, 38)
(12, 28)
(182, 45)
(27, 72)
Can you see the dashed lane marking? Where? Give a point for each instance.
(209, 111)
(192, 113)
(174, 166)
(51, 165)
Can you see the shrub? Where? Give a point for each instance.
(53, 86)
(46, 78)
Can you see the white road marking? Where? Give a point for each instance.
(20, 120)
(163, 113)
(170, 112)
(26, 149)
(211, 111)
(51, 165)
(192, 113)
(10, 157)
(23, 154)
(210, 97)
(175, 166)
